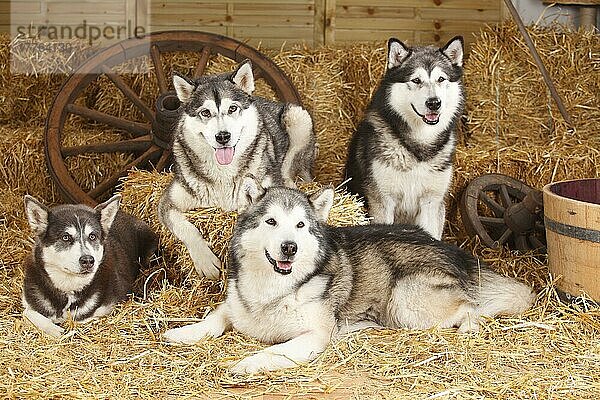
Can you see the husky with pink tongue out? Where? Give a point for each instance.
(223, 133)
(400, 157)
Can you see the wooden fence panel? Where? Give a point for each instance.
(274, 22)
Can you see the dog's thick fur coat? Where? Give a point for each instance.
(400, 157)
(297, 282)
(84, 261)
(223, 133)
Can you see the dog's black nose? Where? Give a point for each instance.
(289, 248)
(433, 103)
(223, 137)
(86, 262)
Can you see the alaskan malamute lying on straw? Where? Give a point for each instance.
(84, 261)
(295, 281)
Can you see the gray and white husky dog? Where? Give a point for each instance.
(84, 261)
(297, 282)
(224, 133)
(400, 157)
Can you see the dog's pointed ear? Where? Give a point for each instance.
(184, 87)
(397, 53)
(108, 211)
(243, 77)
(322, 201)
(454, 50)
(250, 192)
(37, 215)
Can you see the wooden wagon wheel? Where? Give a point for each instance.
(149, 141)
(500, 209)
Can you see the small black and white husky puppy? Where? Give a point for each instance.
(297, 282)
(84, 261)
(400, 157)
(223, 133)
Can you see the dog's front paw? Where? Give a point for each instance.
(255, 363)
(263, 361)
(189, 334)
(53, 330)
(208, 265)
(295, 117)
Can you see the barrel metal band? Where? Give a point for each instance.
(576, 232)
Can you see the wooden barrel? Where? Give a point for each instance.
(572, 219)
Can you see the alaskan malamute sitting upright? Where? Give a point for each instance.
(295, 281)
(400, 157)
(84, 261)
(223, 134)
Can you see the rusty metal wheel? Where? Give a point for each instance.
(502, 210)
(144, 141)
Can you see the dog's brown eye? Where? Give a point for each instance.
(232, 109)
(416, 81)
(441, 79)
(300, 225)
(271, 222)
(206, 113)
(66, 237)
(93, 236)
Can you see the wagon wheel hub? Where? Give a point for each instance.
(143, 143)
(520, 218)
(167, 110)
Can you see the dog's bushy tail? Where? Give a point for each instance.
(302, 149)
(501, 295)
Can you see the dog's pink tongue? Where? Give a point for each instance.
(284, 265)
(431, 117)
(224, 155)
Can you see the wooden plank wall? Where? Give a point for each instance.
(61, 14)
(271, 22)
(274, 22)
(415, 21)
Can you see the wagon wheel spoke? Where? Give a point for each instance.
(204, 55)
(257, 73)
(535, 241)
(112, 180)
(128, 92)
(505, 196)
(124, 146)
(504, 237)
(493, 221)
(158, 69)
(135, 128)
(521, 243)
(162, 161)
(492, 204)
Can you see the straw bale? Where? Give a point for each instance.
(141, 191)
(37, 71)
(507, 98)
(23, 158)
(335, 85)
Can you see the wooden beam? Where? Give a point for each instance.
(319, 22)
(330, 7)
